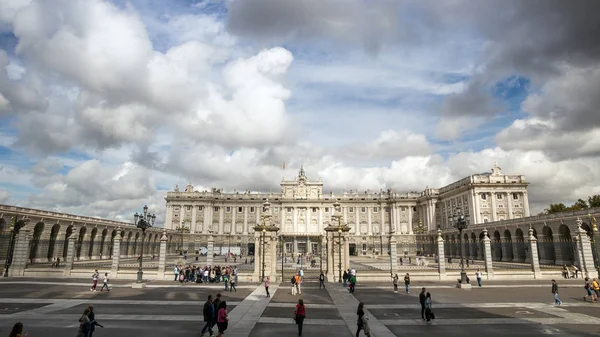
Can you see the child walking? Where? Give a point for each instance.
(105, 284)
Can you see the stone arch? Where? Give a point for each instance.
(136, 241)
(520, 245)
(52, 243)
(103, 236)
(34, 246)
(497, 247)
(80, 241)
(68, 234)
(546, 246)
(92, 243)
(507, 247)
(565, 250)
(466, 246)
(113, 235)
(481, 247)
(474, 247)
(4, 227)
(128, 244)
(587, 229)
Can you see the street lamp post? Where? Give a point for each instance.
(460, 222)
(143, 221)
(419, 229)
(594, 247)
(14, 229)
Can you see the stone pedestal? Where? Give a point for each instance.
(487, 255)
(441, 256)
(533, 254)
(116, 254)
(162, 257)
(268, 242)
(20, 253)
(465, 286)
(70, 254)
(584, 256)
(211, 250)
(393, 256)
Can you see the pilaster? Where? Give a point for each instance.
(162, 256)
(584, 251)
(116, 254)
(533, 252)
(20, 253)
(487, 255)
(71, 252)
(441, 256)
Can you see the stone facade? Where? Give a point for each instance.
(302, 210)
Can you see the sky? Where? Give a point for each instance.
(107, 105)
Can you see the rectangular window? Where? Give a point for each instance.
(483, 196)
(499, 196)
(289, 210)
(485, 219)
(240, 209)
(414, 209)
(276, 209)
(200, 208)
(251, 209)
(228, 209)
(375, 209)
(363, 209)
(216, 208)
(387, 209)
(351, 209)
(515, 196)
(326, 209)
(403, 209)
(315, 209)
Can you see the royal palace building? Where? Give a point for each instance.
(301, 212)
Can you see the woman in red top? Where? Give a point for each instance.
(222, 318)
(299, 315)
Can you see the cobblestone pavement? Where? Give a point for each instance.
(497, 309)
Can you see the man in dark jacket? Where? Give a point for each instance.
(208, 312)
(422, 300)
(93, 322)
(216, 304)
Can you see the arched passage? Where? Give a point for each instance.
(497, 247)
(68, 234)
(507, 247)
(520, 251)
(34, 246)
(546, 246)
(112, 244)
(52, 242)
(92, 244)
(80, 241)
(565, 248)
(103, 249)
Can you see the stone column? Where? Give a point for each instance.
(71, 252)
(584, 251)
(257, 256)
(20, 253)
(162, 256)
(393, 255)
(487, 255)
(533, 253)
(210, 247)
(116, 254)
(330, 266)
(441, 256)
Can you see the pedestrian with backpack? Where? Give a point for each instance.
(293, 281)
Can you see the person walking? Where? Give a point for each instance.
(362, 322)
(105, 283)
(395, 281)
(345, 277)
(478, 276)
(321, 280)
(299, 315)
(555, 292)
(208, 312)
(428, 311)
(588, 290)
(233, 282)
(93, 322)
(222, 318)
(298, 284)
(17, 330)
(422, 299)
(293, 281)
(84, 324)
(267, 286)
(407, 283)
(95, 280)
(216, 306)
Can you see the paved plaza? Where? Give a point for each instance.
(51, 307)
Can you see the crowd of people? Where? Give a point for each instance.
(207, 274)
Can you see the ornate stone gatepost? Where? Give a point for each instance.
(20, 253)
(533, 251)
(585, 257)
(441, 256)
(116, 254)
(257, 257)
(273, 255)
(162, 257)
(330, 266)
(487, 255)
(393, 255)
(71, 251)
(211, 250)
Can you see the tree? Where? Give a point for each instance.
(579, 205)
(594, 200)
(556, 208)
